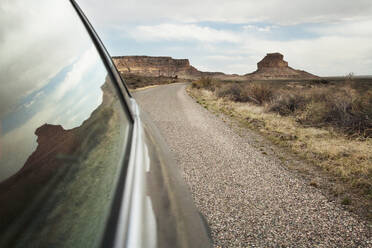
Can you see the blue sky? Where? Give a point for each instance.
(322, 37)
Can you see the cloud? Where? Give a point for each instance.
(357, 28)
(330, 50)
(325, 56)
(323, 37)
(182, 32)
(118, 12)
(258, 28)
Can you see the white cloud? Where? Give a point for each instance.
(119, 12)
(329, 52)
(323, 37)
(224, 57)
(188, 32)
(258, 28)
(324, 56)
(358, 28)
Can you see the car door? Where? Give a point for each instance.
(79, 164)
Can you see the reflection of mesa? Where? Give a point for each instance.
(57, 151)
(52, 140)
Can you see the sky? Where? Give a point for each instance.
(326, 38)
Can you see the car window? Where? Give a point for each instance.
(63, 132)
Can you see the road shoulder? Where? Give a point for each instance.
(334, 188)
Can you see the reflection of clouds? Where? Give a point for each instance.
(76, 96)
(79, 69)
(27, 105)
(37, 38)
(19, 144)
(33, 99)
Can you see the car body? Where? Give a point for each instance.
(80, 164)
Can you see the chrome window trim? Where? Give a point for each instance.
(106, 58)
(113, 235)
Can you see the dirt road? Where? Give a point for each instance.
(248, 197)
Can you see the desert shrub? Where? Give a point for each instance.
(318, 94)
(359, 119)
(320, 81)
(315, 113)
(340, 107)
(349, 78)
(253, 92)
(257, 92)
(204, 83)
(321, 104)
(230, 91)
(343, 108)
(347, 109)
(287, 102)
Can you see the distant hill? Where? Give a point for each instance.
(156, 66)
(271, 67)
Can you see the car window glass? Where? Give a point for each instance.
(63, 129)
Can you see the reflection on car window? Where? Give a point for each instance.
(63, 129)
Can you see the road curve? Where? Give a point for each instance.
(248, 198)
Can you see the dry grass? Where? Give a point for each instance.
(317, 104)
(347, 159)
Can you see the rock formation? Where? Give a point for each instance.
(272, 66)
(272, 60)
(156, 66)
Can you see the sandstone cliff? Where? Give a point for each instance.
(272, 66)
(156, 66)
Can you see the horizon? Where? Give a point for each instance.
(165, 56)
(322, 38)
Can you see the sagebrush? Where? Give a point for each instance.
(316, 103)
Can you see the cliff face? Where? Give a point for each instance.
(156, 66)
(272, 66)
(272, 60)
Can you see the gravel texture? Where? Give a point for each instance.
(248, 197)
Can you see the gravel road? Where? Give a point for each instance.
(248, 198)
